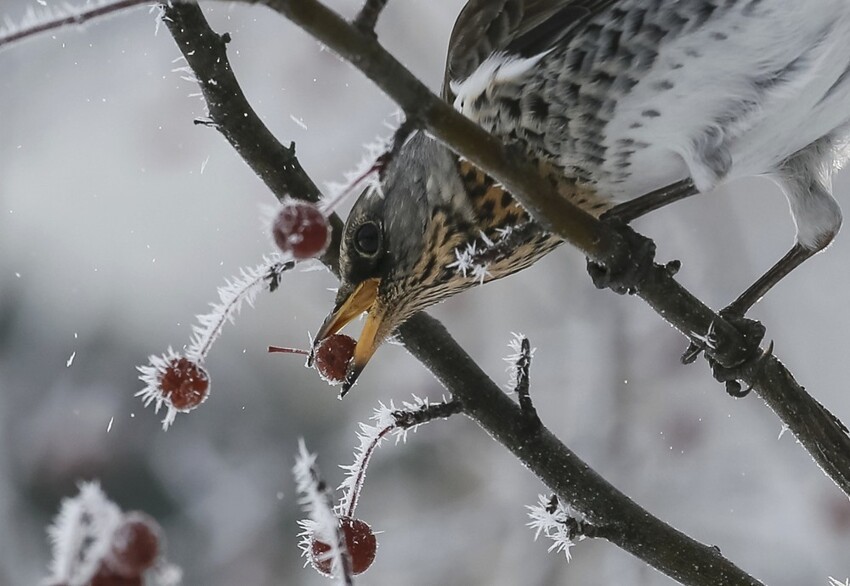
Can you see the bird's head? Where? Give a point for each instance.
(437, 227)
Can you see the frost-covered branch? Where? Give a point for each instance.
(323, 524)
(48, 18)
(178, 381)
(94, 542)
(388, 421)
(633, 529)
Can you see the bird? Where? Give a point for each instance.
(624, 106)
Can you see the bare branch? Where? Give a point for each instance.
(367, 18)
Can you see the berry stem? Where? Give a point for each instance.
(284, 350)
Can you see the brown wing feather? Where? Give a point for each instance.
(516, 26)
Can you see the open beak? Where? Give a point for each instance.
(363, 298)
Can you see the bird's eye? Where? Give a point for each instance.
(367, 239)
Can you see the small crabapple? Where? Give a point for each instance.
(333, 356)
(184, 383)
(301, 229)
(135, 545)
(360, 543)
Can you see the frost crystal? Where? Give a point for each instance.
(370, 437)
(316, 501)
(241, 289)
(550, 517)
(81, 535)
(151, 374)
(834, 582)
(513, 359)
(465, 258)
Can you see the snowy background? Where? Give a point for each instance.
(119, 218)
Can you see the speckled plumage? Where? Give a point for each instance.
(612, 99)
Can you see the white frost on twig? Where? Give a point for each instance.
(551, 522)
(237, 291)
(316, 501)
(47, 18)
(81, 535)
(369, 438)
(515, 345)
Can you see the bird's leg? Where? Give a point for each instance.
(752, 331)
(630, 210)
(792, 259)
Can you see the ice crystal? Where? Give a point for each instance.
(550, 517)
(513, 359)
(369, 438)
(316, 501)
(151, 375)
(232, 296)
(81, 535)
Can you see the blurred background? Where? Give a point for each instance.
(119, 218)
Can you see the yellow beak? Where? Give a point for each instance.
(363, 298)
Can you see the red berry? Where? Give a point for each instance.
(184, 383)
(333, 356)
(135, 545)
(359, 541)
(301, 229)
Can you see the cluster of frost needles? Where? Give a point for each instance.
(468, 261)
(237, 291)
(473, 259)
(834, 582)
(550, 518)
(515, 358)
(316, 500)
(81, 535)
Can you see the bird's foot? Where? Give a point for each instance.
(623, 273)
(729, 360)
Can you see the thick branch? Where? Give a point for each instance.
(821, 433)
(630, 526)
(625, 523)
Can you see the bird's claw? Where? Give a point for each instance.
(729, 376)
(624, 272)
(727, 365)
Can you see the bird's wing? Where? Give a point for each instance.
(520, 27)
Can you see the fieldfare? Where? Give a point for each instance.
(612, 99)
